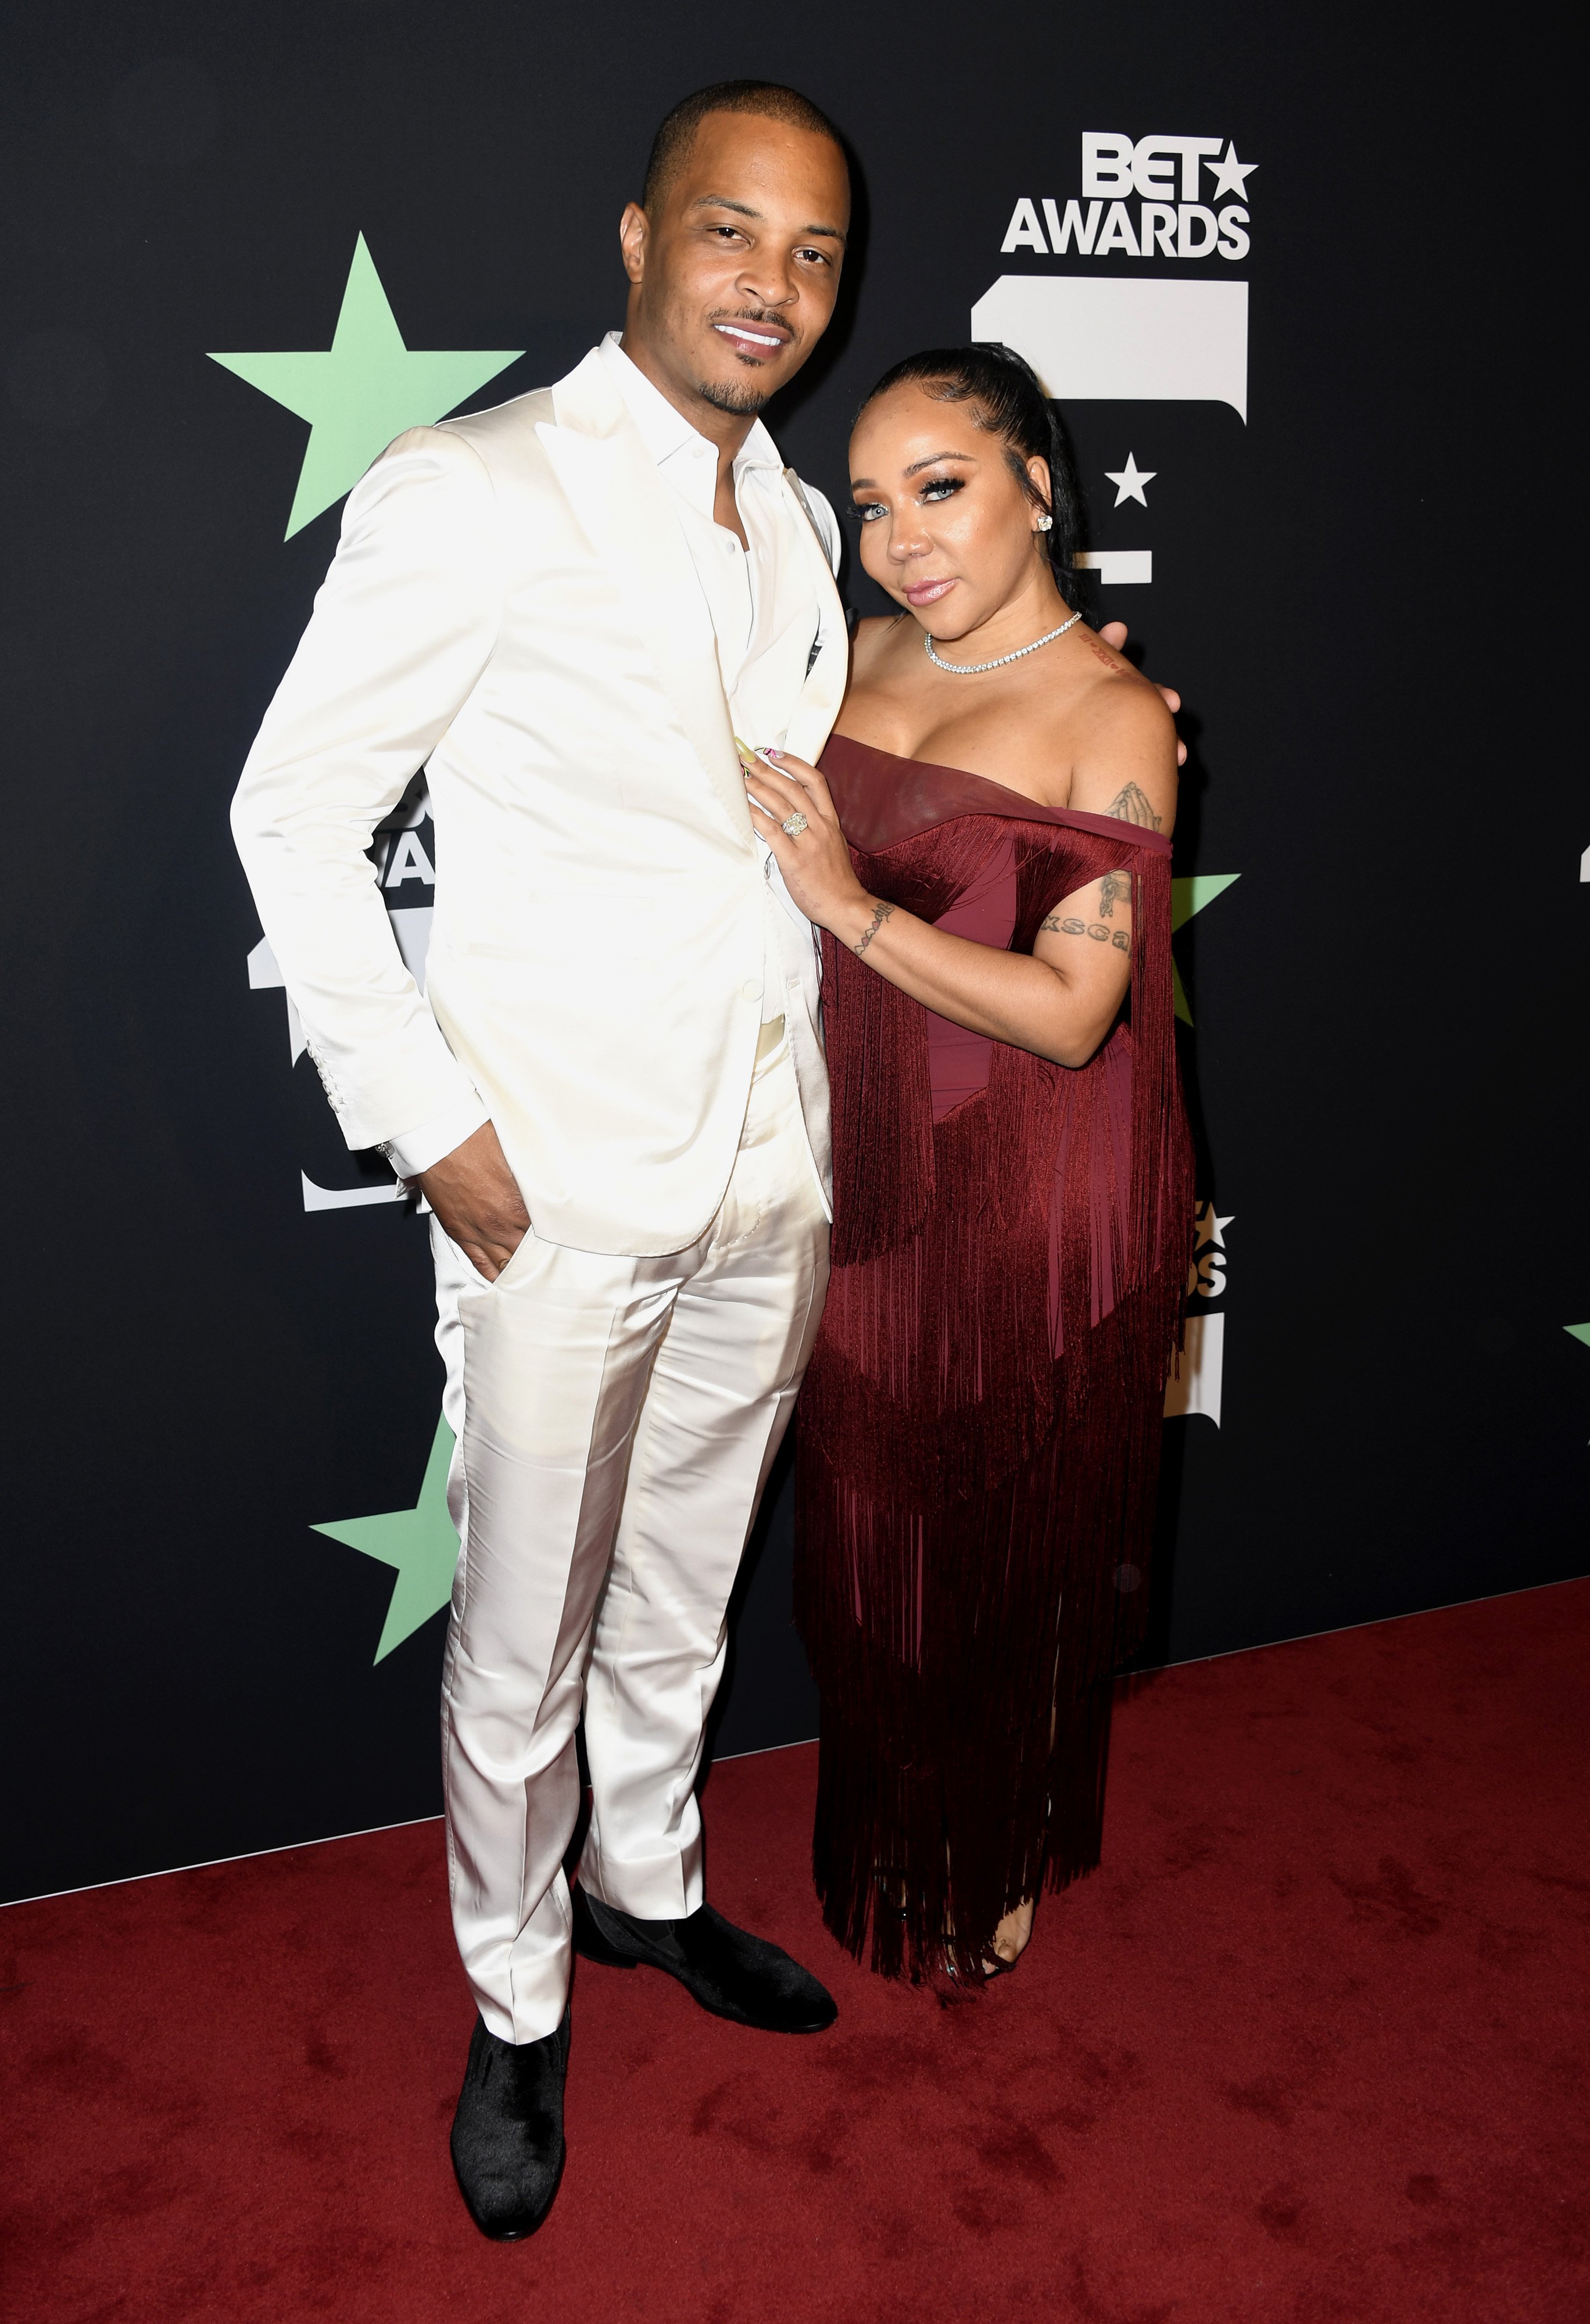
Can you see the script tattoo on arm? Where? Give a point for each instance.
(1132, 805)
(881, 912)
(1071, 926)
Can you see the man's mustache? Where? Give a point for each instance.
(758, 318)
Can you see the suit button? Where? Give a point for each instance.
(749, 991)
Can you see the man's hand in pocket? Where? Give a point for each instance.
(477, 1197)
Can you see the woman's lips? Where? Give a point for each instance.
(928, 593)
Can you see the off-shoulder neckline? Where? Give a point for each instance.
(1031, 810)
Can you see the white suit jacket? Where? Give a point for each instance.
(512, 601)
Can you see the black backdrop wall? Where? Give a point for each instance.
(1383, 943)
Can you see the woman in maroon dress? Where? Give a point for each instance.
(979, 1428)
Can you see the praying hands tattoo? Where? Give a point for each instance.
(1132, 805)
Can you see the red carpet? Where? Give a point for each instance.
(1311, 2045)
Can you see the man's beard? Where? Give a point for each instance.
(733, 398)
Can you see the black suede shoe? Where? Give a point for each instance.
(508, 2131)
(726, 1969)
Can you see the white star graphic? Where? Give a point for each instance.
(1230, 176)
(1212, 1227)
(1130, 480)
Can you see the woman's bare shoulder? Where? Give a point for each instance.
(1122, 743)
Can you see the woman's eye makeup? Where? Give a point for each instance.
(933, 489)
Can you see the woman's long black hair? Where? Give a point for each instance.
(1007, 399)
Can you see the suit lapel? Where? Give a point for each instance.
(626, 511)
(818, 705)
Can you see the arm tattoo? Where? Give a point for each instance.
(1112, 889)
(1132, 805)
(1069, 926)
(881, 912)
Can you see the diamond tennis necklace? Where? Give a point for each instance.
(974, 668)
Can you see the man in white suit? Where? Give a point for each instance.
(613, 1092)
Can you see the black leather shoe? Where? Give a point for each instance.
(726, 1969)
(508, 2131)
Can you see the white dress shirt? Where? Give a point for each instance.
(760, 682)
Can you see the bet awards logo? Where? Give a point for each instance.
(403, 853)
(1167, 175)
(1195, 1382)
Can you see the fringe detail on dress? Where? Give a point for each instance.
(979, 1437)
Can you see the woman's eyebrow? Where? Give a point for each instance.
(871, 485)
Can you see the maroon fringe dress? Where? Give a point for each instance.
(979, 1436)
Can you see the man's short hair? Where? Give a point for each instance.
(768, 99)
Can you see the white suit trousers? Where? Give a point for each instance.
(616, 1418)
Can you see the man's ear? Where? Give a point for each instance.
(633, 232)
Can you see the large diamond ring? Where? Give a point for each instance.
(794, 825)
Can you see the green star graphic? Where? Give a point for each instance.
(367, 389)
(1187, 897)
(422, 1542)
(1578, 1332)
